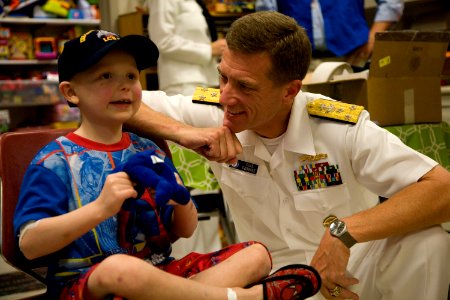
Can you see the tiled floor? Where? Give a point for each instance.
(7, 269)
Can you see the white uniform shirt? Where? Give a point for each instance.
(181, 34)
(269, 207)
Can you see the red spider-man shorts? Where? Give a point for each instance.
(186, 267)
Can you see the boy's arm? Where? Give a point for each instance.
(185, 220)
(54, 233)
(184, 217)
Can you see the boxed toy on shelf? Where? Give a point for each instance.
(230, 6)
(20, 45)
(29, 92)
(5, 34)
(45, 48)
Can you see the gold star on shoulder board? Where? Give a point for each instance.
(206, 96)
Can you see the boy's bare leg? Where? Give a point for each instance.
(135, 279)
(246, 266)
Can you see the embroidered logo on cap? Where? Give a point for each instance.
(106, 36)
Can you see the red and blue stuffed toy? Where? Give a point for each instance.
(139, 215)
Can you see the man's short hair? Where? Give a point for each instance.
(280, 36)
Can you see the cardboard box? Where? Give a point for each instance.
(403, 83)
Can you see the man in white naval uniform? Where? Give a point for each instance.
(308, 179)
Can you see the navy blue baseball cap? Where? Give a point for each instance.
(86, 50)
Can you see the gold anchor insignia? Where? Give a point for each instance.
(307, 157)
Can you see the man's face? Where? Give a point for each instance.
(250, 99)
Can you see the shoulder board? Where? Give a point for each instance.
(206, 96)
(335, 110)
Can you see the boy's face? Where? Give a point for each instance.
(108, 92)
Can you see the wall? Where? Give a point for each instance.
(111, 9)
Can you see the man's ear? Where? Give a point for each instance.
(292, 89)
(68, 92)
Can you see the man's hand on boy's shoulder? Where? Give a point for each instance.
(216, 144)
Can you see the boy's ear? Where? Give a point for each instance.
(68, 92)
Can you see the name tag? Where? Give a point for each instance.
(245, 166)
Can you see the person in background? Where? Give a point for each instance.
(338, 28)
(186, 37)
(308, 179)
(103, 205)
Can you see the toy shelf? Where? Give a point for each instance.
(23, 105)
(55, 21)
(6, 62)
(26, 102)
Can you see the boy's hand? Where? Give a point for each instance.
(117, 188)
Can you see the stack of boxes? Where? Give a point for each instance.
(403, 85)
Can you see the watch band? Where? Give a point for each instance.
(347, 239)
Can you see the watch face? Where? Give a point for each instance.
(337, 227)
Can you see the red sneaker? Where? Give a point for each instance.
(291, 282)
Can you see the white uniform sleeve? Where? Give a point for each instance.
(181, 108)
(380, 160)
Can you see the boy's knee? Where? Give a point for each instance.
(261, 257)
(114, 270)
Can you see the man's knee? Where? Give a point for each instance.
(415, 265)
(436, 240)
(427, 246)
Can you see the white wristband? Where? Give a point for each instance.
(231, 294)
